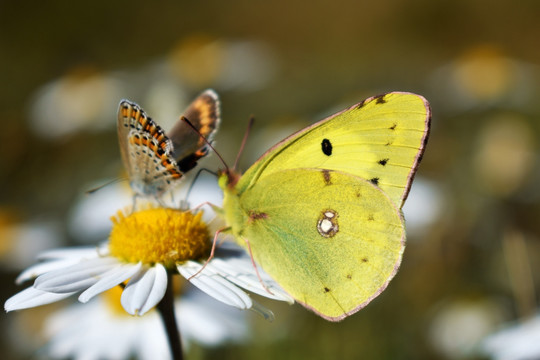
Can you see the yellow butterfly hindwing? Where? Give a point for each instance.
(333, 243)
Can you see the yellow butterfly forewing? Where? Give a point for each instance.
(380, 139)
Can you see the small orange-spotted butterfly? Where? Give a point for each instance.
(155, 161)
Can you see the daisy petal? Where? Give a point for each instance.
(215, 286)
(109, 280)
(240, 271)
(82, 253)
(41, 268)
(263, 311)
(144, 290)
(76, 277)
(32, 297)
(209, 322)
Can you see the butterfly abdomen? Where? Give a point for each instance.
(190, 161)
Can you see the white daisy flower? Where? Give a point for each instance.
(78, 331)
(143, 248)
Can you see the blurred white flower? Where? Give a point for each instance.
(22, 241)
(202, 61)
(505, 154)
(90, 217)
(483, 76)
(457, 326)
(102, 330)
(517, 342)
(424, 205)
(81, 100)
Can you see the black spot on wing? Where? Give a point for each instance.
(393, 127)
(383, 162)
(326, 147)
(379, 99)
(374, 181)
(326, 290)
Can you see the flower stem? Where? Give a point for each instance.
(166, 310)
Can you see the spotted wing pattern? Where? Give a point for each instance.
(146, 151)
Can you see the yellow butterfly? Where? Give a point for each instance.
(321, 210)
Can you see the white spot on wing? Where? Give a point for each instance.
(327, 224)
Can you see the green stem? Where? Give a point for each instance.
(166, 310)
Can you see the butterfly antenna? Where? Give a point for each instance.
(244, 141)
(186, 120)
(91, 191)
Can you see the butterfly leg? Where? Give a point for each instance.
(212, 251)
(172, 197)
(134, 203)
(216, 208)
(256, 269)
(160, 201)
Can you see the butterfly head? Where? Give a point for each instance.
(228, 178)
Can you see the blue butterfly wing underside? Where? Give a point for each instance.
(156, 161)
(146, 151)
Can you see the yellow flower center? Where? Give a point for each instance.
(159, 235)
(112, 299)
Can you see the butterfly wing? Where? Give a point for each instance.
(381, 139)
(332, 240)
(204, 114)
(146, 152)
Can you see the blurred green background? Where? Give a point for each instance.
(473, 254)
